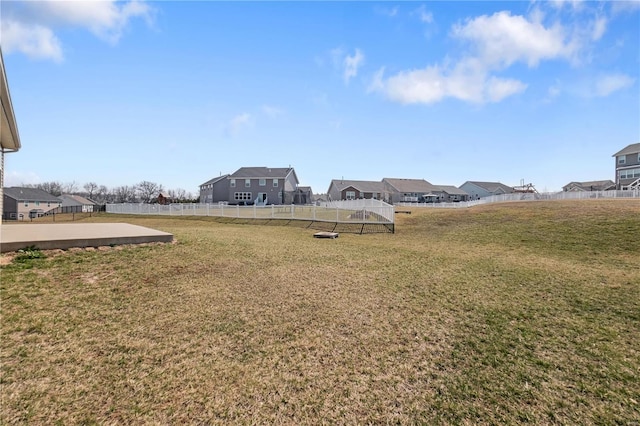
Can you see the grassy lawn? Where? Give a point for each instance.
(502, 314)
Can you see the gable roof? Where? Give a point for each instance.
(491, 186)
(262, 172)
(451, 190)
(360, 185)
(75, 200)
(631, 149)
(410, 185)
(215, 179)
(29, 194)
(596, 185)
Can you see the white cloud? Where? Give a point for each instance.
(239, 123)
(351, 65)
(271, 111)
(607, 84)
(106, 19)
(14, 178)
(391, 13)
(35, 41)
(599, 28)
(502, 39)
(467, 81)
(424, 15)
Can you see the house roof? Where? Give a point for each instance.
(75, 200)
(360, 185)
(451, 190)
(9, 137)
(262, 172)
(594, 184)
(410, 185)
(631, 149)
(491, 186)
(29, 194)
(215, 179)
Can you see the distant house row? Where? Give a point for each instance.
(264, 185)
(28, 203)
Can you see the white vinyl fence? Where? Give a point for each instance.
(378, 213)
(505, 198)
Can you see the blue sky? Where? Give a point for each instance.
(179, 92)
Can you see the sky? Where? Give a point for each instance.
(176, 93)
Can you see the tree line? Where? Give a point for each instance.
(143, 192)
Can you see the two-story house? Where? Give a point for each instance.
(628, 167)
(256, 185)
(24, 203)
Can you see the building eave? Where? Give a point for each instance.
(9, 136)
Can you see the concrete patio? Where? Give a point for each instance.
(14, 237)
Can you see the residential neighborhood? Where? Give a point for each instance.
(263, 185)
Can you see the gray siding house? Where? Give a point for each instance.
(341, 189)
(22, 203)
(76, 204)
(256, 185)
(477, 190)
(628, 167)
(450, 194)
(215, 190)
(410, 190)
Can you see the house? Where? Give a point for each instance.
(215, 190)
(9, 137)
(628, 167)
(23, 203)
(255, 185)
(164, 198)
(76, 204)
(341, 189)
(303, 195)
(410, 190)
(450, 194)
(477, 190)
(595, 185)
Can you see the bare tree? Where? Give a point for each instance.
(148, 191)
(70, 187)
(53, 188)
(91, 188)
(104, 195)
(124, 194)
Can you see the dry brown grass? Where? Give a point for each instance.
(500, 314)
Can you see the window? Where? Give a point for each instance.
(622, 159)
(242, 196)
(262, 182)
(247, 183)
(37, 203)
(630, 174)
(275, 183)
(351, 195)
(233, 183)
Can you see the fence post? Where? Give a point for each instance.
(254, 210)
(238, 210)
(314, 212)
(292, 215)
(272, 212)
